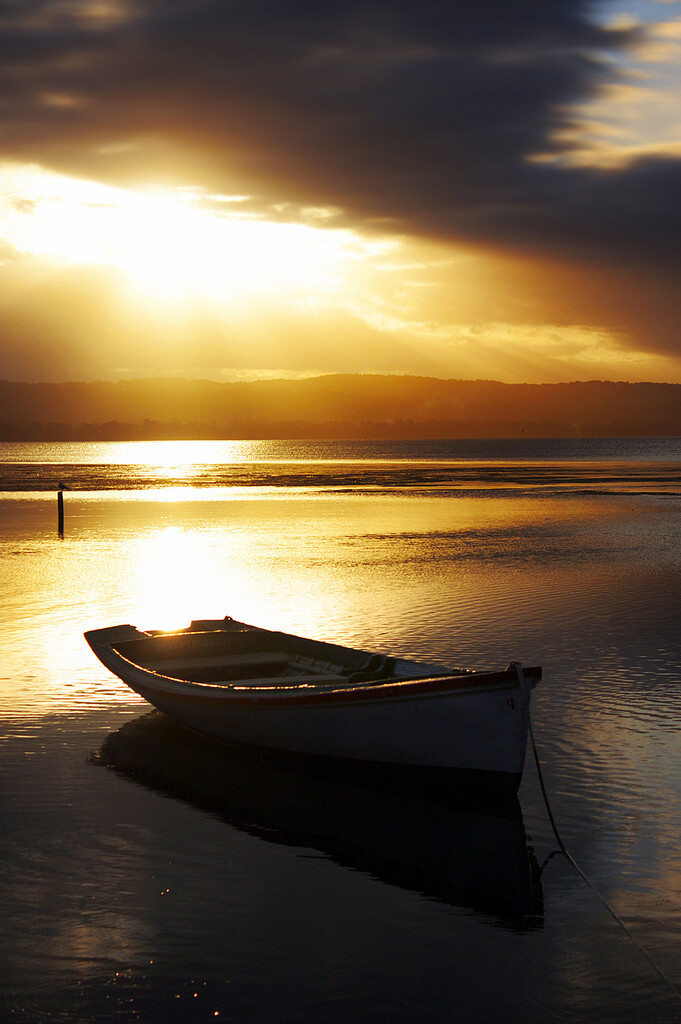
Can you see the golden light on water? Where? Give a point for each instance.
(169, 453)
(174, 581)
(365, 570)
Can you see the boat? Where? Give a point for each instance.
(233, 681)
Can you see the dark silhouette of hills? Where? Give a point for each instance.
(337, 406)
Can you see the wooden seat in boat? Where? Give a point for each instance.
(231, 661)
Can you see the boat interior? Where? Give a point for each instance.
(225, 655)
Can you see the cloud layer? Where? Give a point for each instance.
(417, 117)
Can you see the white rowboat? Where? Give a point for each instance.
(240, 683)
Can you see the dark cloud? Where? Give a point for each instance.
(414, 111)
(418, 115)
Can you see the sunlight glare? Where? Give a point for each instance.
(175, 582)
(174, 245)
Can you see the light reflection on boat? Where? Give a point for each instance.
(473, 856)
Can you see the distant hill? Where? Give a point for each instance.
(337, 406)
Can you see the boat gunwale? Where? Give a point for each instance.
(239, 694)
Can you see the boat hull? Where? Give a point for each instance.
(473, 723)
(480, 730)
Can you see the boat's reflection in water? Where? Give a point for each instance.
(471, 855)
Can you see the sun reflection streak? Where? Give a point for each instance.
(175, 583)
(179, 453)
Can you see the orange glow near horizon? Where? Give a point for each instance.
(115, 282)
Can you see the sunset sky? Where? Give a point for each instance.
(235, 189)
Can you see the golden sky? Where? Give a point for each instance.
(235, 190)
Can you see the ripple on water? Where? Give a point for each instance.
(591, 590)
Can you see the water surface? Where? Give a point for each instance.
(145, 876)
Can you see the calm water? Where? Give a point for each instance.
(145, 876)
(651, 465)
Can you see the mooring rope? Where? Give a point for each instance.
(566, 853)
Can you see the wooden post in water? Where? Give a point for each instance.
(60, 508)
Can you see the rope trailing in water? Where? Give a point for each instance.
(522, 682)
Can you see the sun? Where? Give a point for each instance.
(173, 245)
(173, 248)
